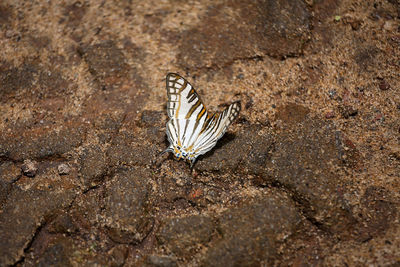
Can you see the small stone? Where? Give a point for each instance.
(240, 76)
(383, 85)
(348, 111)
(180, 182)
(332, 93)
(390, 25)
(63, 169)
(355, 25)
(9, 34)
(379, 117)
(330, 115)
(29, 168)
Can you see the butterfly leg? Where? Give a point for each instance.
(192, 163)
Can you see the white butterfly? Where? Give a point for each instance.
(191, 130)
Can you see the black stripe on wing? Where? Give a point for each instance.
(215, 128)
(183, 101)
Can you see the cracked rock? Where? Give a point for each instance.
(182, 235)
(245, 29)
(306, 157)
(25, 211)
(251, 232)
(127, 211)
(41, 142)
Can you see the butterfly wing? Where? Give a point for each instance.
(186, 111)
(215, 128)
(183, 101)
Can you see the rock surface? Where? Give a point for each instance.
(307, 175)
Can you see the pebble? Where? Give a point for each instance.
(29, 168)
(330, 115)
(348, 111)
(63, 169)
(332, 93)
(383, 85)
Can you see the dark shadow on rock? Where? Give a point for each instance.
(276, 28)
(225, 140)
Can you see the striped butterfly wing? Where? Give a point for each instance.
(183, 101)
(186, 111)
(215, 128)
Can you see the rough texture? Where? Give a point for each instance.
(250, 233)
(181, 235)
(93, 166)
(233, 30)
(40, 142)
(19, 221)
(306, 160)
(126, 207)
(307, 175)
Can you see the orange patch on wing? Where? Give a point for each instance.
(201, 113)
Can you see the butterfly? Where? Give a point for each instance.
(191, 131)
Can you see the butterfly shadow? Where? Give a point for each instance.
(226, 139)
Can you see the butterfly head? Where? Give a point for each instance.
(184, 153)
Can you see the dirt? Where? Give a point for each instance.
(309, 173)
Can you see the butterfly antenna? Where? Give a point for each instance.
(158, 162)
(169, 149)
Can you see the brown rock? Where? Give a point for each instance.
(127, 211)
(292, 113)
(6, 14)
(129, 148)
(29, 168)
(250, 234)
(330, 115)
(384, 85)
(93, 166)
(304, 159)
(248, 150)
(9, 173)
(160, 261)
(57, 254)
(365, 57)
(106, 63)
(74, 13)
(22, 215)
(63, 169)
(16, 79)
(64, 224)
(41, 142)
(378, 213)
(32, 81)
(182, 235)
(251, 28)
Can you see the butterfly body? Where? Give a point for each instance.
(191, 130)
